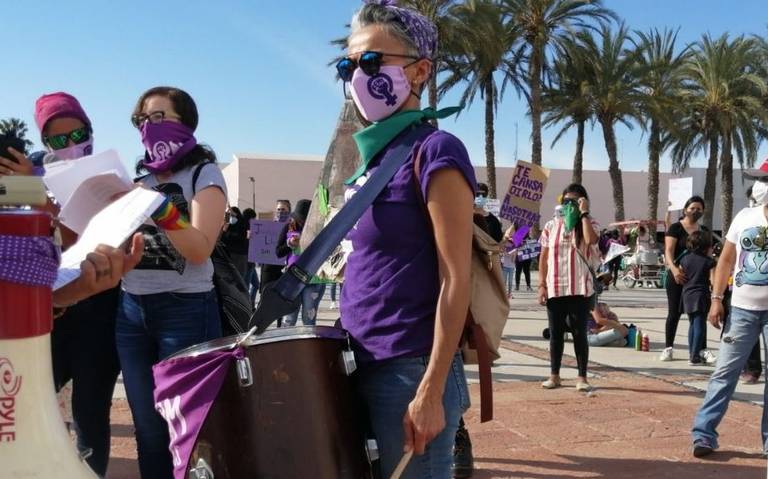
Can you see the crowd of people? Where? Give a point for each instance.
(129, 310)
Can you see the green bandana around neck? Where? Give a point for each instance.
(374, 138)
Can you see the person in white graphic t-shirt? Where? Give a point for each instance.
(745, 256)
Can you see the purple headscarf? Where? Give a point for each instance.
(422, 31)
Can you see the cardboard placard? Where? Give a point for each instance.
(523, 200)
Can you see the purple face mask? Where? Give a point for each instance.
(75, 152)
(380, 96)
(166, 143)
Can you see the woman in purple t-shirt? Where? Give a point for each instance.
(407, 279)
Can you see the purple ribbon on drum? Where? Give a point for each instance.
(185, 389)
(28, 260)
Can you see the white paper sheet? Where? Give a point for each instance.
(680, 190)
(111, 227)
(63, 178)
(615, 251)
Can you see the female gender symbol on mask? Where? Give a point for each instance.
(380, 87)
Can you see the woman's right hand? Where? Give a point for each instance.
(542, 296)
(679, 275)
(17, 165)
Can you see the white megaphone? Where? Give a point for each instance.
(34, 442)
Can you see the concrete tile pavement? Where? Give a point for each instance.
(636, 424)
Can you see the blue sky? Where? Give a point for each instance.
(257, 70)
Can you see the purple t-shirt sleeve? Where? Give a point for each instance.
(442, 150)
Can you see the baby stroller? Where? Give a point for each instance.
(645, 268)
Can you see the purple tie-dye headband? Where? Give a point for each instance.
(422, 31)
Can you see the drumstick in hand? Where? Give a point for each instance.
(402, 465)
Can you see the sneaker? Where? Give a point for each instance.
(666, 355)
(550, 384)
(696, 361)
(463, 462)
(583, 387)
(702, 447)
(708, 358)
(529, 289)
(334, 305)
(749, 378)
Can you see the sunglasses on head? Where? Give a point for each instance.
(369, 62)
(58, 142)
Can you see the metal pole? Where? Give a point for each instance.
(253, 192)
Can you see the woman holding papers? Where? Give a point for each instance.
(168, 301)
(83, 337)
(407, 280)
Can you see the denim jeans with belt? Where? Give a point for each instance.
(151, 328)
(740, 332)
(387, 388)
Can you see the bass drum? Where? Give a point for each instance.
(289, 411)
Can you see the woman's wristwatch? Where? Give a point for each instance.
(717, 297)
(584, 214)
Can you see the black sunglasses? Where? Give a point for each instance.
(78, 136)
(369, 62)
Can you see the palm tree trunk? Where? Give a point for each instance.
(613, 168)
(490, 155)
(536, 108)
(654, 153)
(726, 181)
(433, 96)
(578, 159)
(710, 184)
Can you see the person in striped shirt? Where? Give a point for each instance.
(568, 252)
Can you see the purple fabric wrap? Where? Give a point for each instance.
(185, 389)
(166, 143)
(420, 29)
(28, 260)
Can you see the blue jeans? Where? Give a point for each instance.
(333, 289)
(696, 335)
(151, 328)
(740, 332)
(310, 303)
(252, 281)
(509, 275)
(387, 388)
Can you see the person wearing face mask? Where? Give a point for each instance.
(674, 248)
(568, 252)
(407, 278)
(743, 258)
(83, 337)
(492, 223)
(168, 302)
(235, 239)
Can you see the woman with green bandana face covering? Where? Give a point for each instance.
(568, 251)
(407, 282)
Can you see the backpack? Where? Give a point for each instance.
(488, 306)
(235, 307)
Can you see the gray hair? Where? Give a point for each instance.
(373, 14)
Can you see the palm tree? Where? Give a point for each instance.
(661, 81)
(725, 96)
(16, 128)
(437, 12)
(542, 24)
(567, 100)
(615, 93)
(480, 63)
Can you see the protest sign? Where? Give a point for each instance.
(529, 250)
(493, 206)
(262, 245)
(523, 200)
(615, 250)
(680, 189)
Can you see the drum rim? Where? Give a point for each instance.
(268, 337)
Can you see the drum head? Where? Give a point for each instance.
(270, 336)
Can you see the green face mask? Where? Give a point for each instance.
(571, 216)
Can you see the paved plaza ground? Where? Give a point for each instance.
(634, 425)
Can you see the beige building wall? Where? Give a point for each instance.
(294, 177)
